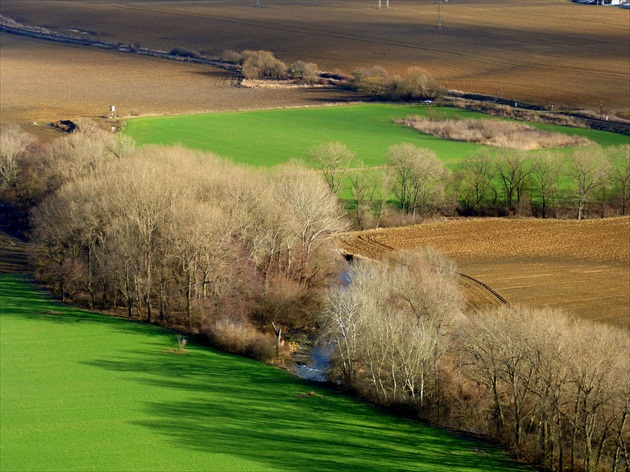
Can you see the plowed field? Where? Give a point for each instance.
(581, 266)
(545, 51)
(50, 81)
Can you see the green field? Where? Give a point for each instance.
(270, 137)
(83, 391)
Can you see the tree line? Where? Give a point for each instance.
(587, 181)
(178, 237)
(553, 389)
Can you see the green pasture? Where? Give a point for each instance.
(83, 391)
(270, 137)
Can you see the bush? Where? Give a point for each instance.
(495, 133)
(305, 71)
(262, 65)
(228, 55)
(413, 84)
(240, 337)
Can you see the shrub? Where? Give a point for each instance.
(262, 64)
(413, 84)
(370, 81)
(305, 71)
(229, 55)
(240, 337)
(495, 133)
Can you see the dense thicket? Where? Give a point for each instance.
(553, 389)
(413, 84)
(183, 238)
(589, 181)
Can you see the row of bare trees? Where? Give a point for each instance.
(178, 237)
(489, 182)
(554, 389)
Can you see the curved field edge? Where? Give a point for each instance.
(582, 267)
(87, 391)
(270, 137)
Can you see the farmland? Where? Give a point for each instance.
(270, 137)
(580, 266)
(46, 81)
(117, 399)
(543, 51)
(117, 396)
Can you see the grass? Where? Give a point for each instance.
(271, 137)
(83, 391)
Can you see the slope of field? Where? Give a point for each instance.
(581, 266)
(44, 81)
(270, 137)
(545, 51)
(82, 391)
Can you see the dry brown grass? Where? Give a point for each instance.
(543, 51)
(502, 134)
(582, 266)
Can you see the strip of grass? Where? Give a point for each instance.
(82, 391)
(271, 137)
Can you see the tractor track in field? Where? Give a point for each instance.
(478, 294)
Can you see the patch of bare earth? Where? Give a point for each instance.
(544, 51)
(580, 266)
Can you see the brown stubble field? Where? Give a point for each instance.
(580, 266)
(546, 51)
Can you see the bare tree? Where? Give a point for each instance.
(620, 161)
(364, 186)
(546, 171)
(419, 177)
(390, 325)
(513, 172)
(13, 143)
(475, 176)
(334, 160)
(315, 216)
(589, 169)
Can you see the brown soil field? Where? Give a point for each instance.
(44, 81)
(544, 51)
(580, 266)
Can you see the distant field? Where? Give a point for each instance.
(82, 391)
(580, 266)
(546, 51)
(44, 81)
(269, 137)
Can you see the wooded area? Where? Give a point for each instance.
(238, 256)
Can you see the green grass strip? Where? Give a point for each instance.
(271, 137)
(83, 391)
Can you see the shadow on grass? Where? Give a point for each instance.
(241, 408)
(21, 296)
(215, 403)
